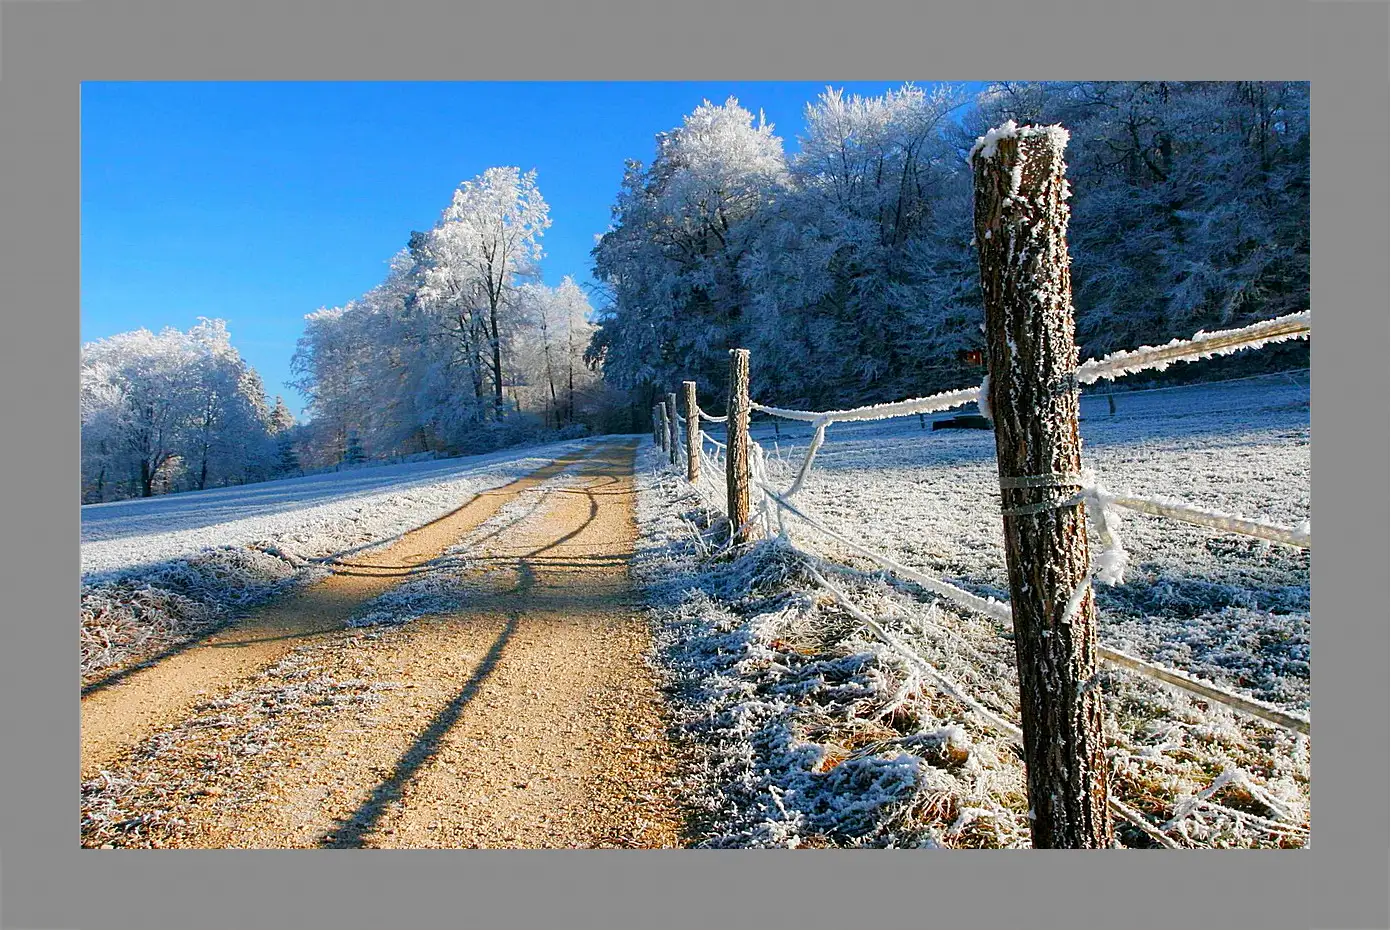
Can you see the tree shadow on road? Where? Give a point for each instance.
(348, 832)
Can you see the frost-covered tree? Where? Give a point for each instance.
(328, 363)
(281, 427)
(488, 240)
(863, 275)
(682, 227)
(228, 437)
(851, 273)
(457, 333)
(352, 453)
(551, 366)
(833, 269)
(281, 418)
(1190, 200)
(574, 312)
(170, 411)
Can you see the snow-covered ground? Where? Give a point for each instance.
(311, 516)
(781, 687)
(1229, 608)
(160, 570)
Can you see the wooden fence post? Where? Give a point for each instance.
(737, 453)
(662, 424)
(669, 439)
(656, 427)
(1021, 216)
(692, 432)
(673, 431)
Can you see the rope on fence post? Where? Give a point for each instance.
(673, 430)
(692, 432)
(1021, 216)
(737, 452)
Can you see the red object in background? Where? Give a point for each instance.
(971, 356)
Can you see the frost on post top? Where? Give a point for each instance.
(986, 145)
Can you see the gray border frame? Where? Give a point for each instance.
(47, 48)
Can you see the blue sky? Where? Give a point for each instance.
(261, 202)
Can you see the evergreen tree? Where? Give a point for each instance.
(352, 451)
(286, 455)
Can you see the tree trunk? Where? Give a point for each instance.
(550, 378)
(147, 479)
(497, 360)
(570, 368)
(1021, 216)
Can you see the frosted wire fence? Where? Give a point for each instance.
(1101, 504)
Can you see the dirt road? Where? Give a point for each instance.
(525, 716)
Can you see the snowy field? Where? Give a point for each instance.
(158, 571)
(311, 516)
(1229, 608)
(781, 688)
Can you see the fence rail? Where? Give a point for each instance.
(1083, 488)
(1088, 490)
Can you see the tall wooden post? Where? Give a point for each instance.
(737, 453)
(662, 424)
(673, 430)
(692, 432)
(656, 427)
(1021, 216)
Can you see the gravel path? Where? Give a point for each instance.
(524, 717)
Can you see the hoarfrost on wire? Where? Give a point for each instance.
(1228, 609)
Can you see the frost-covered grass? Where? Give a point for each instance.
(1228, 608)
(789, 717)
(129, 617)
(159, 571)
(779, 688)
